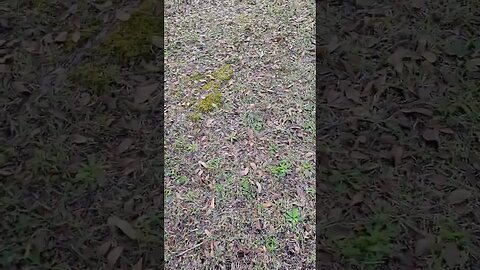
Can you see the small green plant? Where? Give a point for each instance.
(271, 243)
(282, 169)
(232, 137)
(370, 245)
(214, 163)
(273, 148)
(247, 188)
(192, 147)
(91, 172)
(220, 188)
(293, 216)
(253, 121)
(309, 127)
(449, 232)
(211, 101)
(182, 179)
(191, 196)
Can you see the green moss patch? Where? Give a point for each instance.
(133, 38)
(224, 73)
(211, 101)
(97, 77)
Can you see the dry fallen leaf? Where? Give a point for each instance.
(40, 240)
(212, 203)
(124, 145)
(79, 139)
(20, 87)
(250, 134)
(144, 92)
(431, 135)
(358, 155)
(122, 15)
(84, 99)
(104, 6)
(76, 36)
(451, 254)
(353, 95)
(424, 246)
(104, 248)
(124, 226)
(423, 111)
(259, 187)
(429, 56)
(245, 171)
(357, 198)
(397, 153)
(332, 45)
(254, 166)
(4, 69)
(267, 204)
(61, 37)
(113, 256)
(138, 265)
(157, 41)
(458, 196)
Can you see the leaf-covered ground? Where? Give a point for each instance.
(81, 134)
(399, 139)
(240, 105)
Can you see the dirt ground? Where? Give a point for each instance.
(398, 139)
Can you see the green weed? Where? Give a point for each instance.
(370, 245)
(253, 121)
(271, 243)
(192, 147)
(281, 169)
(191, 196)
(293, 216)
(247, 188)
(92, 172)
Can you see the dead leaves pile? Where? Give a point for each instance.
(390, 119)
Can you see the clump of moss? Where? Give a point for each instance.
(196, 76)
(224, 73)
(133, 38)
(210, 102)
(211, 85)
(98, 77)
(194, 117)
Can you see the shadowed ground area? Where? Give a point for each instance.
(398, 144)
(81, 134)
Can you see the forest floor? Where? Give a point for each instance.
(399, 140)
(240, 130)
(81, 134)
